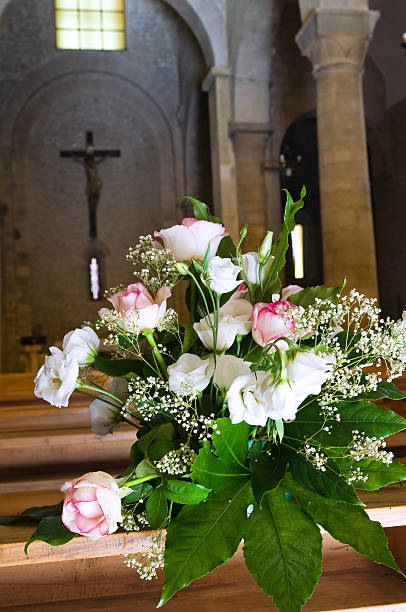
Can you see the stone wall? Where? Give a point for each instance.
(145, 101)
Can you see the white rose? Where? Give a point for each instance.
(104, 417)
(223, 273)
(56, 379)
(234, 318)
(244, 399)
(250, 264)
(227, 368)
(81, 343)
(191, 239)
(189, 374)
(254, 400)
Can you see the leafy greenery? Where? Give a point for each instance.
(52, 531)
(347, 523)
(185, 492)
(157, 508)
(328, 484)
(33, 514)
(308, 296)
(379, 474)
(140, 491)
(266, 473)
(282, 550)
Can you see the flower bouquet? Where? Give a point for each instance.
(255, 420)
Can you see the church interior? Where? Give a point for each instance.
(111, 112)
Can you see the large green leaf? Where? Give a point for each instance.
(362, 416)
(347, 523)
(266, 473)
(272, 282)
(118, 367)
(282, 550)
(385, 390)
(52, 531)
(183, 492)
(33, 514)
(203, 537)
(379, 474)
(308, 296)
(224, 467)
(157, 508)
(166, 431)
(327, 484)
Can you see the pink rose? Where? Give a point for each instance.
(269, 323)
(140, 311)
(92, 505)
(290, 290)
(191, 239)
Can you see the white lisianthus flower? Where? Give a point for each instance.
(255, 399)
(234, 318)
(245, 401)
(81, 343)
(227, 368)
(222, 274)
(104, 410)
(250, 264)
(56, 379)
(189, 374)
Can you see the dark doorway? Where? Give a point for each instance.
(299, 166)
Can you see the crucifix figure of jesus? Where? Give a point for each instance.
(90, 158)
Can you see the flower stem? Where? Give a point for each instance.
(131, 483)
(156, 352)
(81, 385)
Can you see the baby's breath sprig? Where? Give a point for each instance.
(148, 562)
(155, 266)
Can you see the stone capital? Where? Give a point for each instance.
(216, 72)
(336, 38)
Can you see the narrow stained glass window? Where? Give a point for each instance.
(94, 279)
(90, 24)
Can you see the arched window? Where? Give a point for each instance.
(299, 166)
(90, 24)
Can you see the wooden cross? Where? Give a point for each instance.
(90, 158)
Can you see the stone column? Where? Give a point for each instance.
(250, 145)
(217, 84)
(335, 40)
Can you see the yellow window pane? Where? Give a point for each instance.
(297, 247)
(67, 20)
(90, 5)
(113, 41)
(90, 20)
(67, 39)
(90, 40)
(113, 21)
(66, 4)
(112, 5)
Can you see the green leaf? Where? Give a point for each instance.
(225, 466)
(362, 416)
(144, 468)
(385, 390)
(52, 531)
(272, 282)
(282, 550)
(266, 474)
(118, 367)
(327, 484)
(159, 448)
(379, 474)
(157, 508)
(308, 296)
(35, 513)
(203, 537)
(201, 211)
(185, 492)
(166, 431)
(140, 491)
(189, 338)
(347, 523)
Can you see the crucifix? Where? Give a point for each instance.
(90, 158)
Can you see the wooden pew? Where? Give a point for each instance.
(91, 575)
